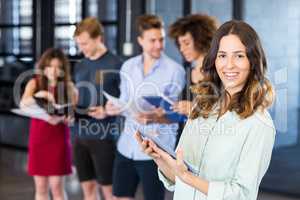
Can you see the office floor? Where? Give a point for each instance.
(16, 185)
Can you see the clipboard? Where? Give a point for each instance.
(166, 104)
(53, 109)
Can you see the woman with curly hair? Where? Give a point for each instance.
(193, 35)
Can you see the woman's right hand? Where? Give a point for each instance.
(145, 145)
(148, 147)
(46, 95)
(54, 120)
(111, 109)
(163, 160)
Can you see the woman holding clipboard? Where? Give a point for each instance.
(49, 141)
(192, 35)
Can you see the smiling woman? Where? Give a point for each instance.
(232, 64)
(230, 136)
(234, 70)
(49, 157)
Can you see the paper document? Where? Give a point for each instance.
(32, 111)
(53, 108)
(125, 106)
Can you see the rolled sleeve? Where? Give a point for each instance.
(124, 83)
(169, 185)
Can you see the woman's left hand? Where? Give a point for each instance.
(183, 107)
(69, 120)
(179, 168)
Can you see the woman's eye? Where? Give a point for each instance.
(186, 44)
(221, 56)
(240, 56)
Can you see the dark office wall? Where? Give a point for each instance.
(169, 10)
(221, 9)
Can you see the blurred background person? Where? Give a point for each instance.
(94, 148)
(49, 141)
(150, 73)
(193, 35)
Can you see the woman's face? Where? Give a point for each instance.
(187, 47)
(232, 63)
(53, 70)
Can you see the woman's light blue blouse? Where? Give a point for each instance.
(233, 154)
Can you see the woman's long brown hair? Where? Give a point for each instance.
(63, 93)
(256, 93)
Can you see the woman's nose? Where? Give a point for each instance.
(230, 63)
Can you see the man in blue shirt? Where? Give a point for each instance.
(151, 73)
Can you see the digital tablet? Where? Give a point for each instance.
(167, 149)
